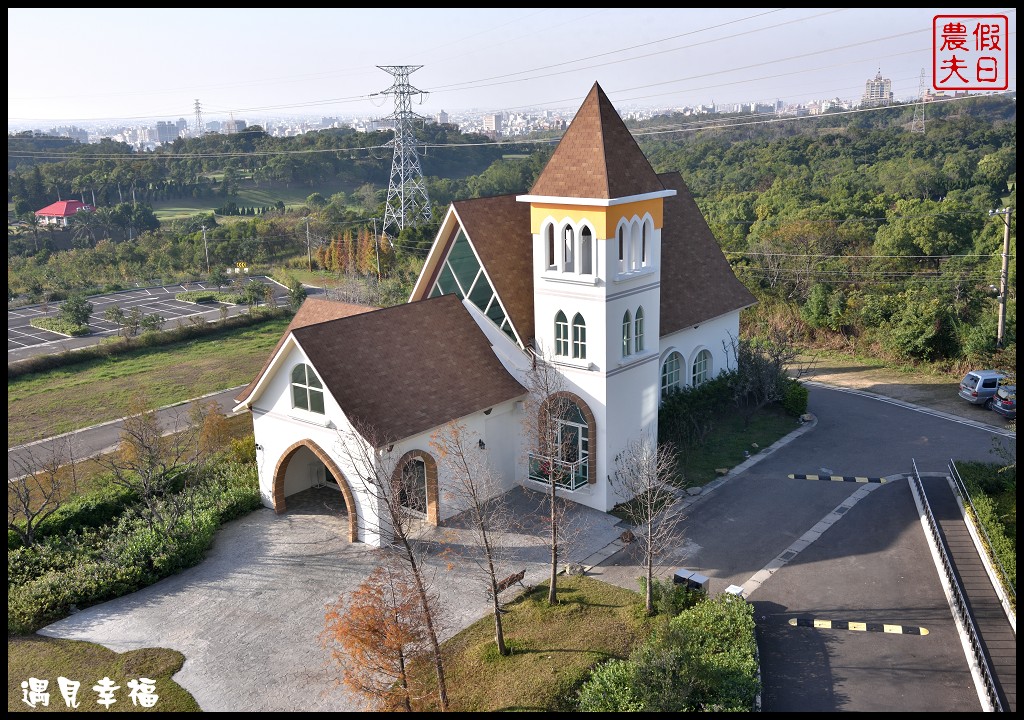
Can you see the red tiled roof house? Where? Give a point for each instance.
(61, 212)
(605, 272)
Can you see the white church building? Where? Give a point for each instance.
(605, 271)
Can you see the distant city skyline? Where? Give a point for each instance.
(152, 65)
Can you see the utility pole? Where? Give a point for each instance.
(309, 253)
(207, 246)
(1006, 214)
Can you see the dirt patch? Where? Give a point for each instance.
(933, 391)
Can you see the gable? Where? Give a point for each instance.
(491, 235)
(312, 311)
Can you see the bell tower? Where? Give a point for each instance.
(596, 215)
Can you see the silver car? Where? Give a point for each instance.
(979, 386)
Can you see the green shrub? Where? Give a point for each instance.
(794, 398)
(209, 296)
(60, 326)
(128, 551)
(702, 660)
(611, 688)
(91, 510)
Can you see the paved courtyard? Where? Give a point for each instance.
(248, 618)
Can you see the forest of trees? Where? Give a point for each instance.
(852, 230)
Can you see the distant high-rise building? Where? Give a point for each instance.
(442, 118)
(877, 91)
(492, 123)
(166, 132)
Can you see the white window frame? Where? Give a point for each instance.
(700, 368)
(579, 337)
(561, 335)
(671, 378)
(627, 334)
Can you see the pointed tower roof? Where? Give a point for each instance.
(597, 158)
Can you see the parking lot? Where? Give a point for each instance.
(23, 339)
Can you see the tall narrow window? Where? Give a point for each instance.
(568, 249)
(701, 368)
(622, 249)
(307, 392)
(670, 374)
(627, 334)
(412, 495)
(586, 252)
(579, 337)
(643, 245)
(638, 330)
(550, 243)
(561, 334)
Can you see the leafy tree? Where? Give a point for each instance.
(115, 314)
(75, 310)
(296, 294)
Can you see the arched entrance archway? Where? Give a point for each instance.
(282, 466)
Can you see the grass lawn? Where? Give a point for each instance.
(247, 196)
(57, 401)
(731, 437)
(553, 649)
(49, 658)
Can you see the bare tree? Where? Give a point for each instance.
(652, 504)
(389, 487)
(47, 477)
(153, 461)
(763, 365)
(554, 454)
(476, 487)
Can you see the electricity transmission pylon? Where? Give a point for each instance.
(407, 201)
(198, 132)
(917, 124)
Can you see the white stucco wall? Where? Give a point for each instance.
(709, 335)
(277, 426)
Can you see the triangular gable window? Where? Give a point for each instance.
(462, 275)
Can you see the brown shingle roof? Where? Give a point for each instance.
(597, 157)
(408, 368)
(697, 283)
(499, 229)
(312, 311)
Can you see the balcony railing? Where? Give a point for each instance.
(567, 475)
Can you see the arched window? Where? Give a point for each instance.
(412, 493)
(550, 247)
(643, 245)
(622, 249)
(627, 334)
(568, 249)
(670, 373)
(579, 337)
(586, 252)
(638, 331)
(561, 334)
(307, 392)
(701, 368)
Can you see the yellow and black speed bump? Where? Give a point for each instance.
(839, 478)
(858, 626)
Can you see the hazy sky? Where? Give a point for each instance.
(142, 65)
